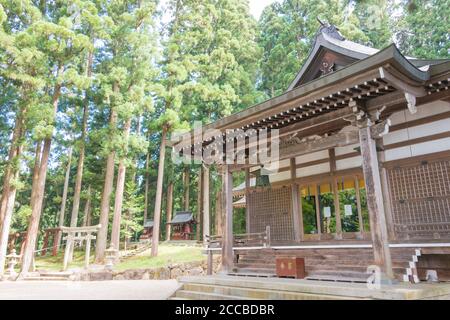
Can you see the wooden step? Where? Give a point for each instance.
(255, 270)
(335, 278)
(252, 273)
(362, 263)
(195, 295)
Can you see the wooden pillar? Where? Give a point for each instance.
(297, 216)
(375, 203)
(55, 243)
(337, 207)
(45, 244)
(318, 220)
(227, 205)
(210, 263)
(386, 194)
(205, 191)
(358, 206)
(219, 213)
(247, 208)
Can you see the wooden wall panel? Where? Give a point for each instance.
(272, 207)
(420, 196)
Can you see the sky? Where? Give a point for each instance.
(257, 6)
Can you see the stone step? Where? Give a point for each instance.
(259, 294)
(194, 295)
(46, 278)
(55, 274)
(355, 290)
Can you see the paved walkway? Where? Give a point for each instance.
(88, 290)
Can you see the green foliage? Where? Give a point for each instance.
(286, 34)
(422, 30)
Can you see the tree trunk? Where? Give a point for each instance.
(133, 178)
(37, 164)
(120, 185)
(158, 197)
(199, 206)
(10, 169)
(36, 209)
(102, 234)
(147, 183)
(79, 177)
(186, 188)
(169, 209)
(39, 188)
(9, 188)
(64, 199)
(87, 209)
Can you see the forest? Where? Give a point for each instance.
(91, 90)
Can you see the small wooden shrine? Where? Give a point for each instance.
(182, 225)
(148, 231)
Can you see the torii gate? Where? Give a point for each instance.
(76, 233)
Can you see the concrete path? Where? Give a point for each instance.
(88, 290)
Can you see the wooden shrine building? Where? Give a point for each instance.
(182, 226)
(363, 175)
(148, 230)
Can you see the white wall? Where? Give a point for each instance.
(415, 132)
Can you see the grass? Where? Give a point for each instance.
(56, 262)
(167, 254)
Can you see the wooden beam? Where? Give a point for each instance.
(377, 219)
(296, 218)
(227, 205)
(206, 215)
(247, 209)
(415, 88)
(301, 148)
(292, 99)
(397, 100)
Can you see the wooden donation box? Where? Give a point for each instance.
(291, 267)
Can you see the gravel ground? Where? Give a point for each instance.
(88, 290)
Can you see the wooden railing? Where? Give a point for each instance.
(255, 239)
(252, 239)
